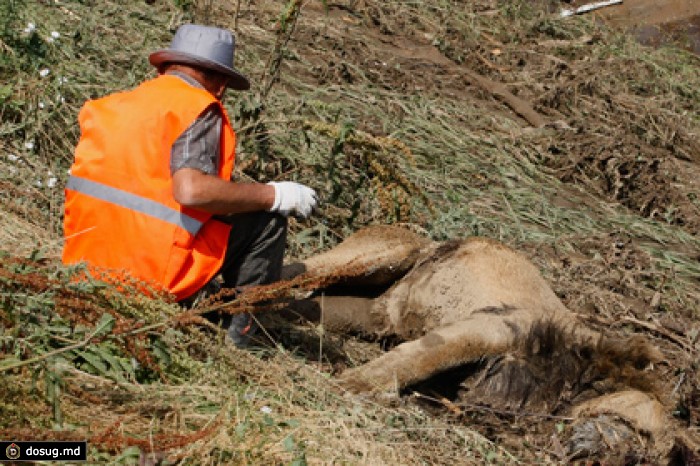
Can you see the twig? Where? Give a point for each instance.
(236, 15)
(590, 7)
(660, 330)
(147, 328)
(654, 328)
(52, 353)
(454, 407)
(260, 297)
(287, 24)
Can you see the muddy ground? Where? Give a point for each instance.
(657, 22)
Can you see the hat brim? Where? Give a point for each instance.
(237, 80)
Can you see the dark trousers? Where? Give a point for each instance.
(254, 257)
(255, 249)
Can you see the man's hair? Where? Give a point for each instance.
(210, 75)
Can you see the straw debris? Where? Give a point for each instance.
(371, 104)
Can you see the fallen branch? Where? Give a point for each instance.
(459, 408)
(498, 90)
(55, 352)
(266, 297)
(683, 343)
(661, 331)
(590, 7)
(158, 443)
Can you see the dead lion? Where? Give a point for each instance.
(476, 300)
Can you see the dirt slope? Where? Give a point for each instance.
(649, 12)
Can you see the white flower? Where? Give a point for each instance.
(55, 34)
(30, 28)
(51, 182)
(62, 80)
(41, 105)
(38, 184)
(29, 145)
(12, 157)
(44, 72)
(266, 410)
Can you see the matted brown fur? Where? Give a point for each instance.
(383, 253)
(476, 300)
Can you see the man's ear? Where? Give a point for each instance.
(215, 83)
(221, 91)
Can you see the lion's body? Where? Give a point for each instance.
(464, 301)
(461, 281)
(454, 302)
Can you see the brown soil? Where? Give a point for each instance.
(685, 32)
(621, 155)
(637, 12)
(657, 22)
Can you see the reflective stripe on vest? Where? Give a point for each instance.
(134, 202)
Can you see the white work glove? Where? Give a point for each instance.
(293, 198)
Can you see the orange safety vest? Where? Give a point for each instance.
(120, 214)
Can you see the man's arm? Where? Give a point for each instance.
(194, 163)
(193, 188)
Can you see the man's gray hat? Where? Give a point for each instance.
(207, 47)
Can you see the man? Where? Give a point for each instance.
(150, 196)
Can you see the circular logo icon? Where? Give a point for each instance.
(12, 451)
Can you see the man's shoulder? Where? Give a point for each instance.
(169, 83)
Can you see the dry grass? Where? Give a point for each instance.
(370, 103)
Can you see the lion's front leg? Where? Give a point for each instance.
(441, 349)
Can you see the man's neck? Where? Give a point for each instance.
(185, 77)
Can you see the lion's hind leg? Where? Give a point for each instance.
(340, 314)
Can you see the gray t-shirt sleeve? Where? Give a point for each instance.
(198, 146)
